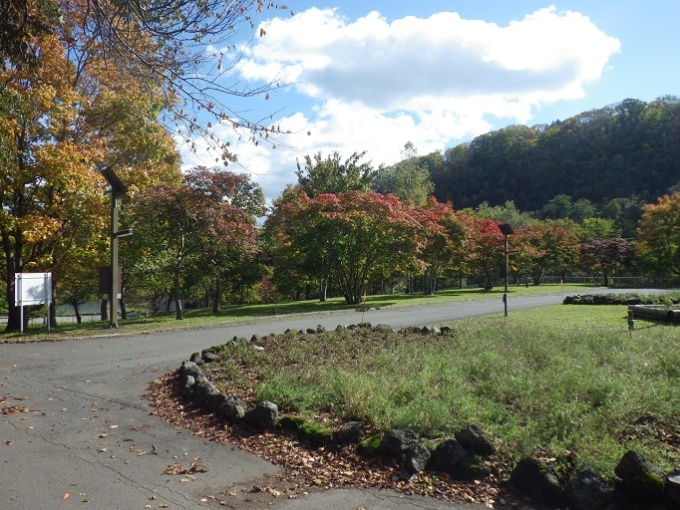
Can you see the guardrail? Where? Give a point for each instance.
(661, 312)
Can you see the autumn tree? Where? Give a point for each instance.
(353, 234)
(230, 242)
(150, 41)
(442, 241)
(47, 188)
(607, 256)
(333, 175)
(233, 189)
(658, 242)
(484, 249)
(192, 231)
(22, 23)
(62, 119)
(302, 242)
(290, 274)
(170, 221)
(181, 35)
(544, 247)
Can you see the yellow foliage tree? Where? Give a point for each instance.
(59, 122)
(658, 245)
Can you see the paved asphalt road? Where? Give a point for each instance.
(82, 436)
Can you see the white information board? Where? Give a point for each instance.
(33, 289)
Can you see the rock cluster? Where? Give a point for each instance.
(641, 485)
(463, 458)
(200, 390)
(603, 299)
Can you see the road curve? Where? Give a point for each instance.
(75, 430)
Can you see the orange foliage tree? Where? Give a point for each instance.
(658, 245)
(543, 247)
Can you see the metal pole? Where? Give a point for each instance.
(505, 295)
(113, 296)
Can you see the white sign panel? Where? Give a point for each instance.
(32, 289)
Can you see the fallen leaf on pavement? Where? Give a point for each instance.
(197, 466)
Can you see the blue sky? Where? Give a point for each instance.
(375, 75)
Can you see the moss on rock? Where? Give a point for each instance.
(371, 446)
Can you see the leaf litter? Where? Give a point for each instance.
(307, 470)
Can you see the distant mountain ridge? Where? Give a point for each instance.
(630, 149)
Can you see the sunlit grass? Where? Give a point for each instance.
(569, 381)
(232, 313)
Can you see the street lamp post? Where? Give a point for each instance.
(506, 230)
(118, 189)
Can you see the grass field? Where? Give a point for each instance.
(232, 313)
(567, 382)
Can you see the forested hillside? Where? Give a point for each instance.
(631, 149)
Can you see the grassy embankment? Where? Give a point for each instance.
(569, 382)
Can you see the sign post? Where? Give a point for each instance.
(118, 189)
(506, 230)
(33, 289)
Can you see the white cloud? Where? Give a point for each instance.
(378, 85)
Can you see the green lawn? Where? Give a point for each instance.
(205, 317)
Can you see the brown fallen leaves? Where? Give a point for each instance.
(197, 466)
(314, 469)
(14, 409)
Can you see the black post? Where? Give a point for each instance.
(506, 230)
(113, 297)
(505, 295)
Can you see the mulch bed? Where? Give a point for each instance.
(306, 469)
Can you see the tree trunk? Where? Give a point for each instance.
(430, 282)
(216, 296)
(14, 312)
(52, 311)
(53, 314)
(122, 308)
(179, 313)
(76, 310)
(323, 289)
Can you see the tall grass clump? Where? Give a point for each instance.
(570, 382)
